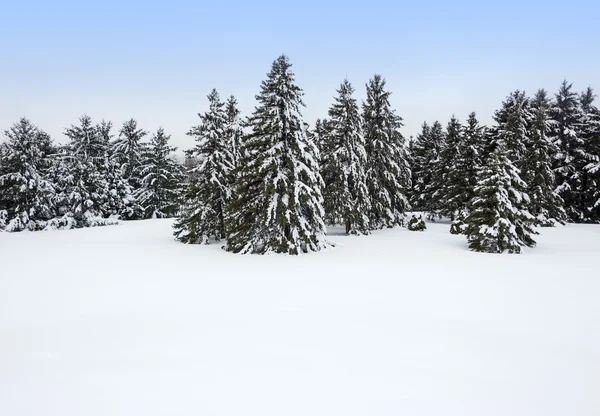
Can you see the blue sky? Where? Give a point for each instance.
(156, 62)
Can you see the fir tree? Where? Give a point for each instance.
(570, 158)
(444, 176)
(203, 213)
(277, 206)
(496, 223)
(161, 179)
(82, 181)
(545, 204)
(118, 199)
(388, 173)
(427, 149)
(590, 135)
(346, 197)
(512, 126)
(233, 128)
(128, 151)
(26, 196)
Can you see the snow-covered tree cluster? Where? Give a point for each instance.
(270, 183)
(89, 181)
(537, 165)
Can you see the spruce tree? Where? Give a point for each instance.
(203, 213)
(388, 173)
(570, 158)
(344, 159)
(444, 176)
(128, 151)
(118, 199)
(512, 126)
(427, 150)
(233, 127)
(161, 179)
(590, 135)
(82, 182)
(496, 223)
(461, 178)
(545, 204)
(26, 195)
(277, 205)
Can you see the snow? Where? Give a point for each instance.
(124, 320)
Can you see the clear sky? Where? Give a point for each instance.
(157, 61)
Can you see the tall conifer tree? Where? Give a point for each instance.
(388, 173)
(344, 159)
(277, 205)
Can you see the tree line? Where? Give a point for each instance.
(271, 183)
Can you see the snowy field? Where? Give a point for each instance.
(125, 321)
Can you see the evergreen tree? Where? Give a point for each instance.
(118, 199)
(82, 182)
(426, 163)
(462, 177)
(570, 158)
(203, 212)
(545, 204)
(233, 128)
(161, 179)
(444, 176)
(590, 135)
(496, 223)
(512, 126)
(346, 197)
(128, 151)
(388, 173)
(277, 206)
(26, 196)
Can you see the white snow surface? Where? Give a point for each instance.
(124, 320)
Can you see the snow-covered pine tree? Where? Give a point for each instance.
(545, 204)
(590, 177)
(128, 149)
(444, 177)
(202, 215)
(161, 179)
(570, 158)
(26, 196)
(277, 205)
(462, 177)
(496, 223)
(118, 198)
(388, 173)
(427, 150)
(233, 127)
(83, 184)
(344, 162)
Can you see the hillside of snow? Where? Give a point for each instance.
(124, 320)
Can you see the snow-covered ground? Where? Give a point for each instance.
(124, 320)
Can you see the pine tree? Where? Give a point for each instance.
(26, 196)
(462, 175)
(277, 206)
(444, 177)
(590, 135)
(495, 223)
(512, 126)
(427, 151)
(128, 151)
(545, 204)
(233, 128)
(82, 181)
(570, 158)
(346, 197)
(388, 173)
(203, 213)
(161, 179)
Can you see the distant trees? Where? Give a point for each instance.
(270, 183)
